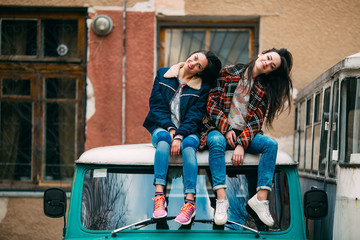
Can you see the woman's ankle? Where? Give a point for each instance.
(221, 193)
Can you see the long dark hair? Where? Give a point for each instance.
(212, 69)
(277, 84)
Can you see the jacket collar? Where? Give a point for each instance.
(173, 72)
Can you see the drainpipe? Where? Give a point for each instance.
(123, 102)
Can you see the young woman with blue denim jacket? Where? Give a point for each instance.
(177, 105)
(244, 97)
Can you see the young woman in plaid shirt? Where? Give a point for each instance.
(245, 97)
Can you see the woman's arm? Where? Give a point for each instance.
(159, 109)
(195, 114)
(215, 104)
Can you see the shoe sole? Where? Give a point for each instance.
(220, 223)
(252, 206)
(188, 222)
(160, 216)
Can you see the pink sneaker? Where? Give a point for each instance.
(186, 214)
(159, 207)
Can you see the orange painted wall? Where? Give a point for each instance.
(140, 73)
(104, 70)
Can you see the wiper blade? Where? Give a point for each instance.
(148, 221)
(248, 228)
(144, 222)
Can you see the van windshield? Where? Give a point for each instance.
(113, 198)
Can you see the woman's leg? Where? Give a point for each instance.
(268, 147)
(190, 167)
(161, 140)
(217, 146)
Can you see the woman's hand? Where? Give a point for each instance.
(172, 133)
(231, 138)
(238, 156)
(175, 148)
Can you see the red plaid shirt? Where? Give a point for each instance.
(219, 102)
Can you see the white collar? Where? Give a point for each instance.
(173, 72)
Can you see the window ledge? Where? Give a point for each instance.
(40, 60)
(349, 165)
(317, 177)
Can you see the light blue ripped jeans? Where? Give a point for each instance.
(265, 145)
(161, 140)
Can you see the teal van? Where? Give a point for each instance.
(112, 191)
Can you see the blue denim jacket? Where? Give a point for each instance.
(193, 102)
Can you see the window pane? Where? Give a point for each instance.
(181, 42)
(317, 126)
(302, 135)
(317, 112)
(60, 38)
(316, 153)
(308, 150)
(16, 87)
(324, 132)
(350, 119)
(232, 46)
(59, 141)
(60, 88)
(309, 112)
(19, 37)
(112, 201)
(296, 136)
(334, 131)
(16, 140)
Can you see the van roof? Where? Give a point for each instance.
(143, 154)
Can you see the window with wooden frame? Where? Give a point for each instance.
(42, 95)
(232, 42)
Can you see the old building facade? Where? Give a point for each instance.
(77, 74)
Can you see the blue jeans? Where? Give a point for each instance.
(267, 146)
(161, 140)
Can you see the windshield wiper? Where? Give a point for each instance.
(149, 221)
(248, 228)
(144, 222)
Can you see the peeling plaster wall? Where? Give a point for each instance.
(3, 208)
(105, 72)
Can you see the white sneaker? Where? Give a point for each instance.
(262, 210)
(222, 206)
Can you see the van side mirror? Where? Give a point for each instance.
(55, 202)
(315, 204)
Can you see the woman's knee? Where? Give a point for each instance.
(216, 139)
(272, 143)
(164, 136)
(190, 141)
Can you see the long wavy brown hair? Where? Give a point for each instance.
(277, 84)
